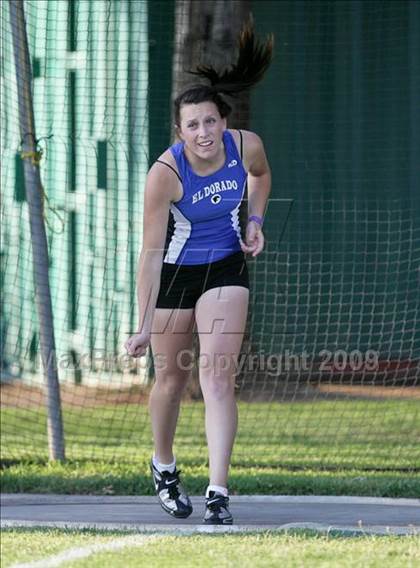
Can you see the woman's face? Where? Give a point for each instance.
(201, 128)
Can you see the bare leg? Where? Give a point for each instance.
(221, 318)
(172, 333)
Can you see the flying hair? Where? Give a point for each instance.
(253, 60)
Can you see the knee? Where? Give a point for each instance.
(172, 386)
(217, 387)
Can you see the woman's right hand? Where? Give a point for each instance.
(137, 344)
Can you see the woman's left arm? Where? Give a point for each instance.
(259, 187)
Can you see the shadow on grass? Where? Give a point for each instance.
(102, 478)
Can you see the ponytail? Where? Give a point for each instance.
(253, 61)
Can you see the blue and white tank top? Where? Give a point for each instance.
(204, 224)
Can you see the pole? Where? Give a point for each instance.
(34, 197)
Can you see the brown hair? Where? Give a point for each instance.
(253, 60)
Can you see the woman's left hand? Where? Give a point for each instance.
(254, 239)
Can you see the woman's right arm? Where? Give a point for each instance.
(160, 189)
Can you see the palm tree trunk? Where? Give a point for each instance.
(206, 32)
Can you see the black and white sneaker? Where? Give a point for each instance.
(171, 494)
(217, 512)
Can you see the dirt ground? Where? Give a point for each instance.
(21, 395)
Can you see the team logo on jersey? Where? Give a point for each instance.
(232, 163)
(214, 189)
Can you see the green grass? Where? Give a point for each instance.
(103, 478)
(328, 447)
(269, 549)
(24, 545)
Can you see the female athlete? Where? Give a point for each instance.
(192, 269)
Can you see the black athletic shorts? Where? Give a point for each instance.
(182, 285)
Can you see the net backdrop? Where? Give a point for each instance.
(330, 362)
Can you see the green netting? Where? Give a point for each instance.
(331, 356)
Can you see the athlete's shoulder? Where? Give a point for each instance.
(249, 139)
(167, 156)
(165, 165)
(163, 177)
(249, 143)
